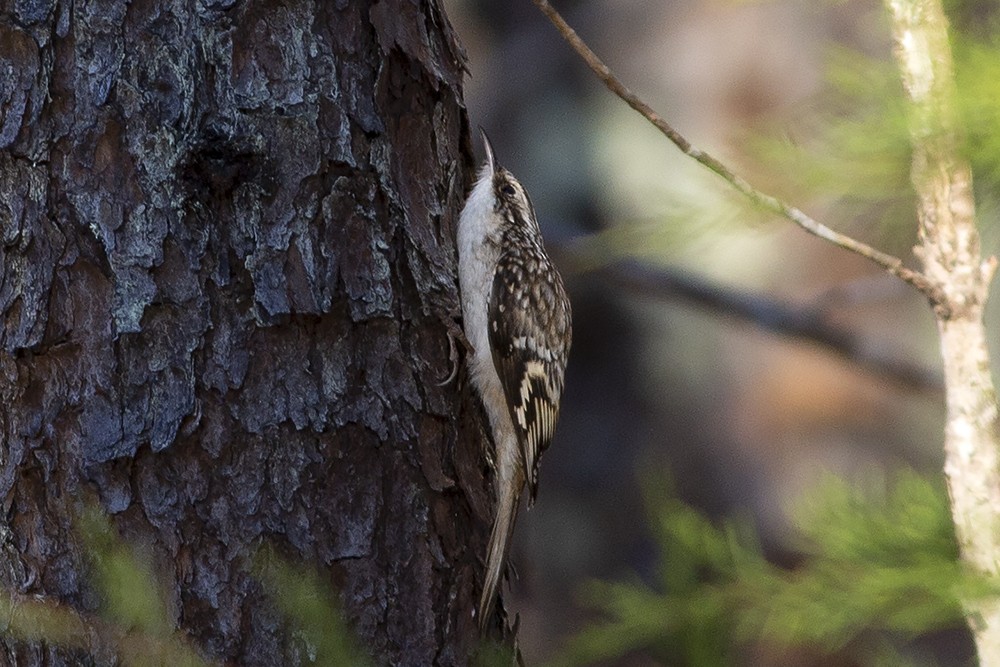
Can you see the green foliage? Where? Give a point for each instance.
(855, 140)
(874, 566)
(306, 599)
(977, 77)
(135, 623)
(135, 626)
(852, 139)
(129, 591)
(850, 142)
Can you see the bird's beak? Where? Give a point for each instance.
(491, 160)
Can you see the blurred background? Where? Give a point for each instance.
(696, 380)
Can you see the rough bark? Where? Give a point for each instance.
(226, 261)
(952, 261)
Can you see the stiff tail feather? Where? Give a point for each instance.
(496, 555)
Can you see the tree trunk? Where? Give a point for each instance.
(226, 268)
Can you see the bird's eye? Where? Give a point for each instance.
(507, 189)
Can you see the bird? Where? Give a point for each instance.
(517, 319)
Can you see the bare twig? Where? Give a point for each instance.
(892, 264)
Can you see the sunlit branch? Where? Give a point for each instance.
(892, 264)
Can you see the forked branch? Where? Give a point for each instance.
(890, 263)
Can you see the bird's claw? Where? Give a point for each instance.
(455, 333)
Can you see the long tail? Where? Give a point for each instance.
(496, 555)
(508, 495)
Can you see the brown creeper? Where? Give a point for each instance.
(517, 318)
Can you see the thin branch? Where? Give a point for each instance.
(892, 264)
(806, 324)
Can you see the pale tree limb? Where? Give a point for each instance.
(949, 248)
(892, 264)
(955, 278)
